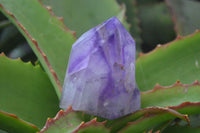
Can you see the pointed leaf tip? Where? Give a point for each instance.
(179, 37)
(11, 123)
(92, 123)
(49, 8)
(148, 117)
(69, 120)
(59, 115)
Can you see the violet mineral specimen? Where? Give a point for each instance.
(100, 78)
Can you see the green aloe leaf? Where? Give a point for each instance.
(26, 91)
(152, 117)
(185, 16)
(81, 16)
(12, 124)
(69, 121)
(47, 35)
(177, 60)
(146, 122)
(171, 96)
(140, 119)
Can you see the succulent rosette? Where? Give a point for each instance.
(100, 77)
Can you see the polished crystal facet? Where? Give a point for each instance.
(100, 78)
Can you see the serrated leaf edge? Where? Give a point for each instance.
(51, 121)
(184, 104)
(175, 108)
(36, 43)
(178, 83)
(61, 113)
(142, 114)
(151, 111)
(20, 120)
(59, 18)
(21, 61)
(163, 46)
(92, 122)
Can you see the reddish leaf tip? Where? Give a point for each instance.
(178, 83)
(2, 54)
(93, 122)
(157, 86)
(197, 31)
(61, 19)
(187, 119)
(185, 104)
(51, 121)
(179, 37)
(49, 9)
(20, 120)
(148, 113)
(196, 82)
(141, 54)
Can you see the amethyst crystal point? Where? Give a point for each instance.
(100, 78)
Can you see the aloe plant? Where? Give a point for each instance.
(42, 32)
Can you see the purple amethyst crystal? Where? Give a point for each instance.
(100, 78)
